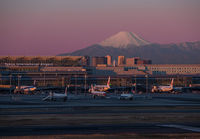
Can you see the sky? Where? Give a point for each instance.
(51, 27)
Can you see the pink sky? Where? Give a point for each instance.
(49, 27)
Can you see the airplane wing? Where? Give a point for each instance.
(46, 98)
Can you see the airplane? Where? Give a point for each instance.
(25, 89)
(56, 96)
(103, 87)
(127, 96)
(96, 93)
(170, 88)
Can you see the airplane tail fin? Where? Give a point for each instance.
(108, 83)
(66, 90)
(172, 83)
(92, 88)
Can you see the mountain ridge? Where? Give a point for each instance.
(173, 53)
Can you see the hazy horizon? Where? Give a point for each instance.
(48, 27)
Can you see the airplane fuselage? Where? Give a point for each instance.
(126, 96)
(59, 97)
(98, 93)
(101, 87)
(26, 88)
(165, 88)
(169, 88)
(56, 96)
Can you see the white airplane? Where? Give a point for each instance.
(25, 88)
(126, 96)
(56, 96)
(169, 88)
(97, 93)
(103, 87)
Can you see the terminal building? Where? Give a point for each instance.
(61, 70)
(121, 60)
(136, 60)
(109, 60)
(99, 61)
(45, 60)
(99, 65)
(173, 69)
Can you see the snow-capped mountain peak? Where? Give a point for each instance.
(123, 39)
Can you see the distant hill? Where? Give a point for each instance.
(175, 53)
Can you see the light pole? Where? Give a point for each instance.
(19, 77)
(146, 83)
(135, 84)
(44, 79)
(10, 82)
(75, 84)
(85, 83)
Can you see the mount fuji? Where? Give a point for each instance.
(131, 45)
(123, 39)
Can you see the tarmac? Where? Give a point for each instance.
(181, 111)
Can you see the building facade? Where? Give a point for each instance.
(136, 60)
(173, 69)
(109, 60)
(99, 61)
(43, 60)
(121, 60)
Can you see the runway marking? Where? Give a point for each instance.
(195, 129)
